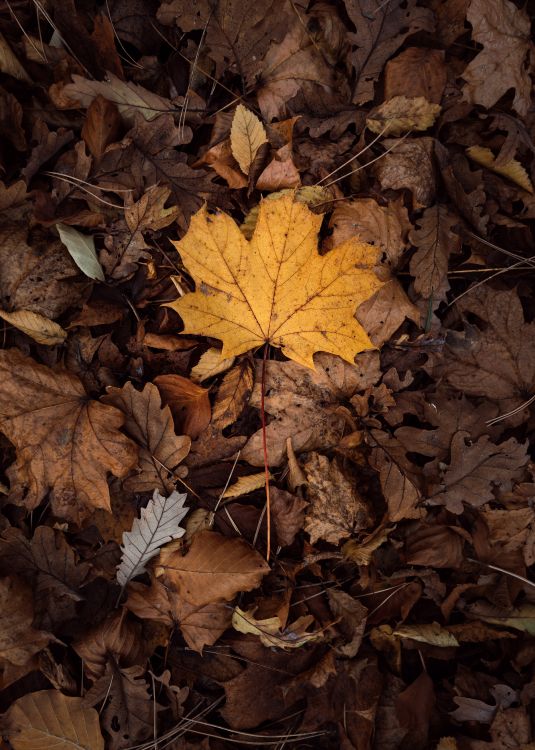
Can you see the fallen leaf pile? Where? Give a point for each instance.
(285, 242)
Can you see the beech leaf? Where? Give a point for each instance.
(247, 134)
(40, 329)
(157, 526)
(47, 718)
(276, 289)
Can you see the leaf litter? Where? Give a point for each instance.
(267, 375)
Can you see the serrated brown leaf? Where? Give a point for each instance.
(189, 403)
(151, 426)
(476, 470)
(504, 31)
(435, 240)
(233, 394)
(65, 442)
(214, 569)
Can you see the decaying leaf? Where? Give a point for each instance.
(336, 510)
(158, 524)
(282, 291)
(504, 31)
(233, 394)
(189, 403)
(271, 632)
(65, 442)
(402, 114)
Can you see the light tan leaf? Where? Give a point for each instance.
(401, 114)
(511, 169)
(210, 364)
(189, 403)
(336, 509)
(129, 98)
(214, 569)
(432, 633)
(271, 632)
(361, 552)
(244, 485)
(47, 718)
(247, 134)
(151, 426)
(304, 405)
(233, 394)
(65, 442)
(385, 226)
(39, 328)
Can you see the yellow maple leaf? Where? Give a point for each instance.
(276, 288)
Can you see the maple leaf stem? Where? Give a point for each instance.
(264, 446)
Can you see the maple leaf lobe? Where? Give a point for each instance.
(276, 288)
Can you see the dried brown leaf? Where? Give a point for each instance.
(189, 403)
(214, 569)
(233, 394)
(65, 442)
(336, 509)
(151, 426)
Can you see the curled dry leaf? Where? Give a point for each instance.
(402, 114)
(189, 403)
(271, 631)
(47, 717)
(283, 292)
(65, 442)
(151, 426)
(214, 569)
(511, 169)
(117, 638)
